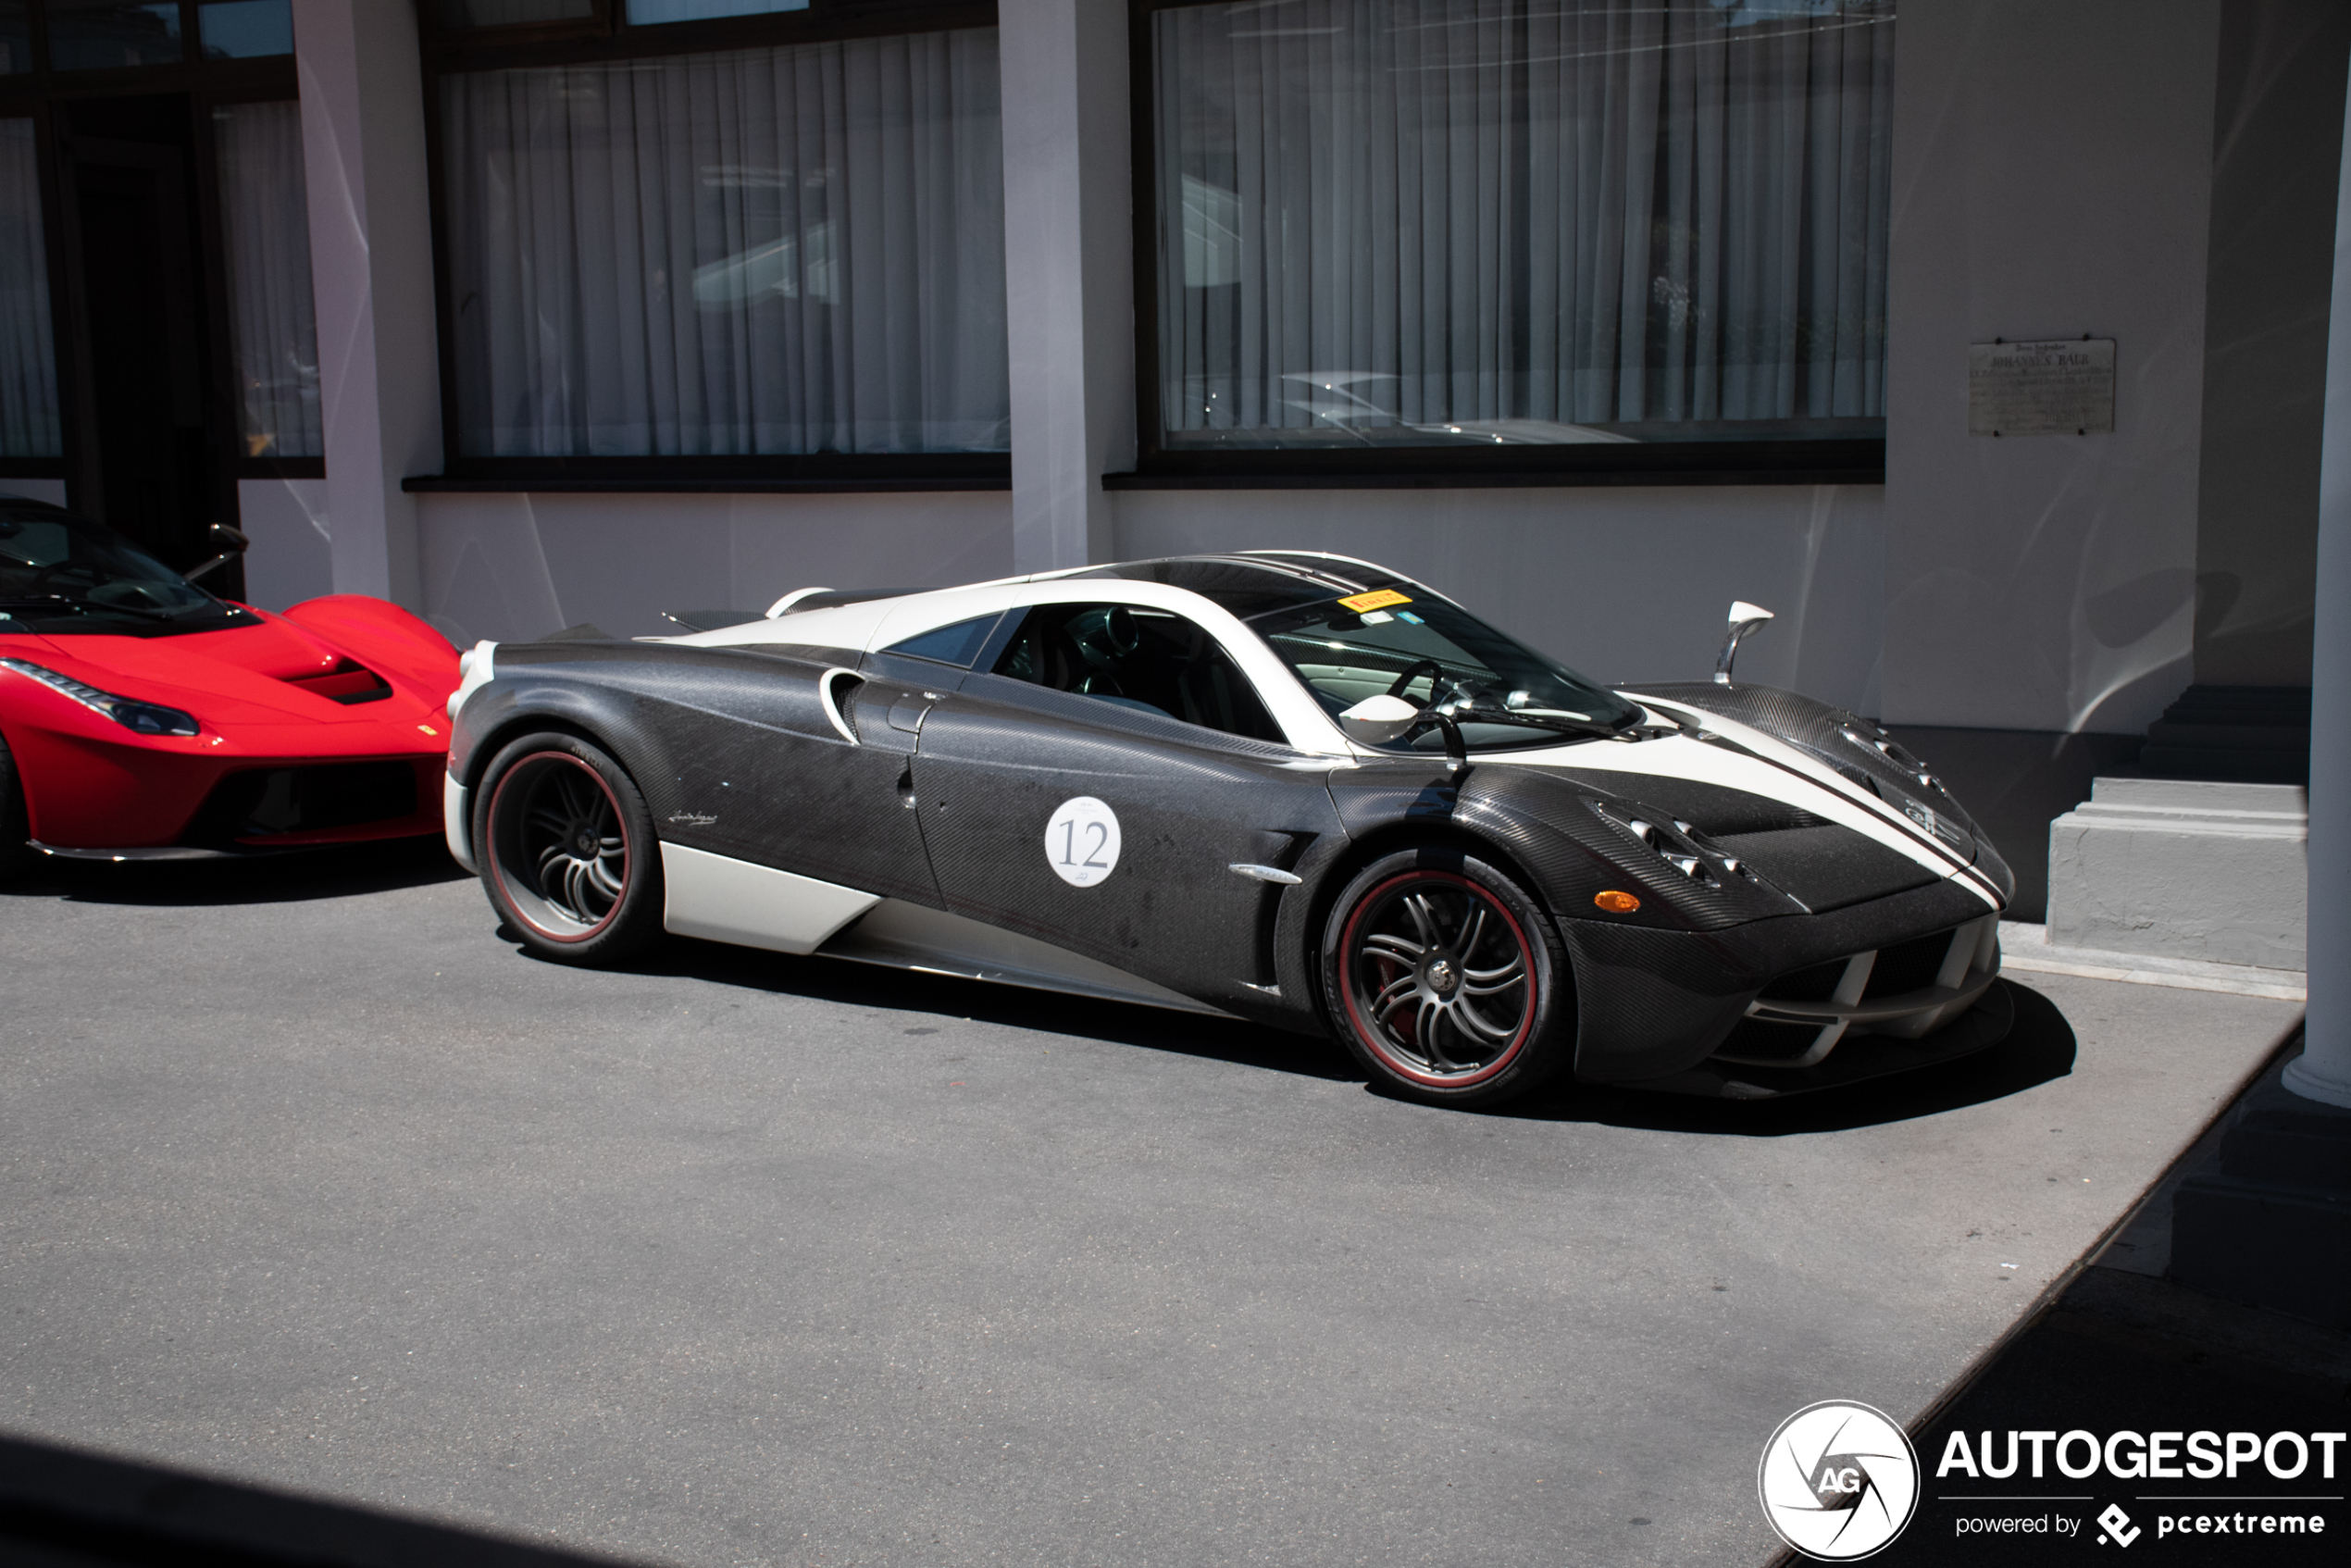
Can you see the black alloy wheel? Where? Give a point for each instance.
(1443, 978)
(567, 850)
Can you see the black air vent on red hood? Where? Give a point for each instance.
(347, 683)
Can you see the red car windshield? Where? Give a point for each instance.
(60, 574)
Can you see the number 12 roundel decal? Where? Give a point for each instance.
(1081, 841)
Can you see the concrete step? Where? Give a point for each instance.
(2183, 868)
(2302, 1146)
(2267, 1218)
(2284, 1248)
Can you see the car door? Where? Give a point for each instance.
(1097, 784)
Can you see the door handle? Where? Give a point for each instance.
(908, 711)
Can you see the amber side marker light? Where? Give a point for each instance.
(1616, 903)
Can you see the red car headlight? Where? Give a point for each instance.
(146, 719)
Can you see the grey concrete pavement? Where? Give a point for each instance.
(307, 1179)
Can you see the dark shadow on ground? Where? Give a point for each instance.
(342, 871)
(905, 990)
(2040, 1048)
(60, 1508)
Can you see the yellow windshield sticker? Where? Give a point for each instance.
(1378, 600)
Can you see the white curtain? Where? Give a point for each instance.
(28, 358)
(786, 250)
(265, 227)
(1542, 219)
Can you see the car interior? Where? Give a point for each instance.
(1152, 660)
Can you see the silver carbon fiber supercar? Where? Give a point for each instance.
(1287, 787)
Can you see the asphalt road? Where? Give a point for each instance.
(307, 1179)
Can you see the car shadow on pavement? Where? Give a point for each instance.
(339, 871)
(2040, 1048)
(905, 990)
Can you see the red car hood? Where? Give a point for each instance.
(235, 674)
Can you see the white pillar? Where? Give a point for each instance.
(363, 146)
(2323, 1070)
(1069, 274)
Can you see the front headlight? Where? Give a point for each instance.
(146, 719)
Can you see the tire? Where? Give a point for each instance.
(1427, 1018)
(568, 855)
(16, 853)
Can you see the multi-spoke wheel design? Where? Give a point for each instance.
(560, 849)
(566, 845)
(1441, 974)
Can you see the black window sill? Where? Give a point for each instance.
(1779, 463)
(447, 484)
(1495, 480)
(815, 474)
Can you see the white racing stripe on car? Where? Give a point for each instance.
(1859, 810)
(1680, 757)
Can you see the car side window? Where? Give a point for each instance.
(1152, 660)
(958, 644)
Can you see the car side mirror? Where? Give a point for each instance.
(1374, 721)
(1745, 617)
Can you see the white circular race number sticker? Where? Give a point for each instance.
(1081, 841)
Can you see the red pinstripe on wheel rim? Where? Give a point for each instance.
(1438, 979)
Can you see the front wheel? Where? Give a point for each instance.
(1446, 980)
(568, 855)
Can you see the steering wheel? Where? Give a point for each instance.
(1429, 667)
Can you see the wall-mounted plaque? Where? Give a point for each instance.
(2061, 388)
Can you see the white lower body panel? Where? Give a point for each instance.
(724, 900)
(456, 823)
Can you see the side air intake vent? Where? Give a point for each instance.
(837, 689)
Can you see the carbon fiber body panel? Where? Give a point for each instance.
(733, 751)
(1652, 1003)
(999, 756)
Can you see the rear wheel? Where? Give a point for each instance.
(16, 853)
(1446, 980)
(567, 850)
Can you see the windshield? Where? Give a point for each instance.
(60, 574)
(1426, 649)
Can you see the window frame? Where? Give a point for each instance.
(37, 94)
(604, 37)
(1793, 460)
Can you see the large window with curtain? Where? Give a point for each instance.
(664, 260)
(28, 425)
(1573, 233)
(265, 235)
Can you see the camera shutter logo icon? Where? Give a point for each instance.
(1838, 1480)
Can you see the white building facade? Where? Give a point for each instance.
(1596, 316)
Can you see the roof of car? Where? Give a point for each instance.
(1260, 582)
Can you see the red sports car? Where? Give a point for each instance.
(143, 718)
